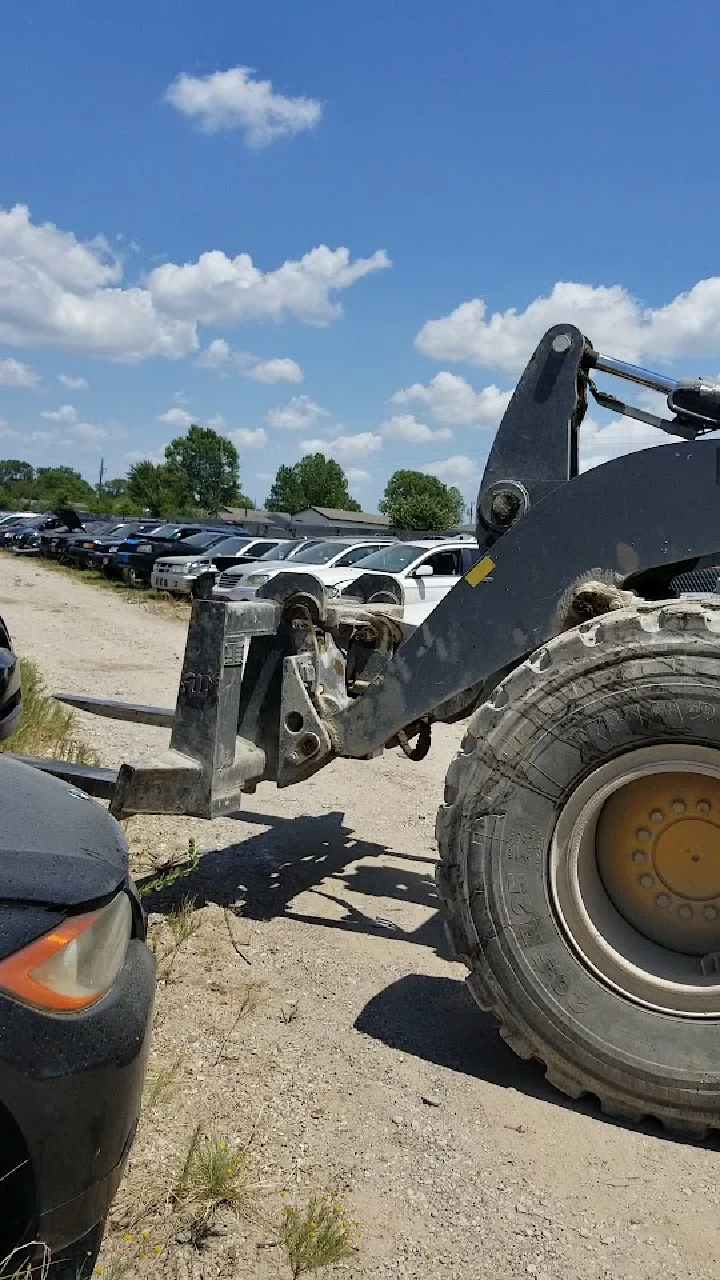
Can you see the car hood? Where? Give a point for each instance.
(57, 846)
(180, 561)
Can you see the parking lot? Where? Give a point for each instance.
(313, 1017)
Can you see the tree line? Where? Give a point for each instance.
(201, 475)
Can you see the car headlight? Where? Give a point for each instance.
(256, 579)
(75, 964)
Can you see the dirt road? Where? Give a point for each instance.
(360, 1062)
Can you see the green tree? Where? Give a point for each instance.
(16, 476)
(154, 488)
(414, 500)
(115, 488)
(314, 481)
(61, 486)
(205, 467)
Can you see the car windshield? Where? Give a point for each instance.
(321, 553)
(165, 531)
(395, 558)
(200, 541)
(229, 546)
(280, 552)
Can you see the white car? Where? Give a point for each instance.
(426, 570)
(325, 560)
(205, 553)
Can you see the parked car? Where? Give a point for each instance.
(76, 998)
(242, 583)
(100, 554)
(426, 571)
(179, 573)
(25, 538)
(54, 543)
(137, 554)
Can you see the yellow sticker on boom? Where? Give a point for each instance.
(480, 571)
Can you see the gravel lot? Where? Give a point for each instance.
(336, 1037)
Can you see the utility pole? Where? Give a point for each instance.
(100, 479)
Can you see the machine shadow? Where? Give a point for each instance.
(260, 877)
(436, 1019)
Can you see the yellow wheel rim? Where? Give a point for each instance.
(658, 854)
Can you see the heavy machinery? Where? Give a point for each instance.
(580, 833)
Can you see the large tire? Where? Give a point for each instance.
(636, 680)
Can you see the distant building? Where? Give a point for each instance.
(335, 522)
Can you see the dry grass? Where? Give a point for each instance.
(317, 1236)
(46, 727)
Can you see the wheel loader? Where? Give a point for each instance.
(579, 836)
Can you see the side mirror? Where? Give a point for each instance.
(424, 571)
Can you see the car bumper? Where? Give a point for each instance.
(180, 582)
(77, 1102)
(141, 565)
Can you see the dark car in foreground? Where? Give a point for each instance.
(54, 543)
(101, 554)
(76, 999)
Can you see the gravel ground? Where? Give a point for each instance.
(316, 1017)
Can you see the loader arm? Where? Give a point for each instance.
(275, 689)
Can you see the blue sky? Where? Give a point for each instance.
(344, 227)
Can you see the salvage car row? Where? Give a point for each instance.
(202, 560)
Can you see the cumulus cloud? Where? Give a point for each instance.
(356, 475)
(234, 99)
(73, 384)
(601, 443)
(66, 413)
(298, 414)
(175, 416)
(353, 446)
(404, 426)
(457, 470)
(245, 438)
(221, 290)
(219, 355)
(452, 401)
(13, 373)
(614, 320)
(58, 291)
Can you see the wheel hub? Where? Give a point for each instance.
(658, 854)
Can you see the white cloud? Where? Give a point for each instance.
(148, 455)
(176, 417)
(67, 413)
(233, 99)
(13, 373)
(221, 290)
(404, 426)
(457, 470)
(615, 321)
(356, 475)
(56, 291)
(279, 369)
(73, 384)
(244, 438)
(354, 446)
(599, 444)
(219, 355)
(298, 414)
(452, 401)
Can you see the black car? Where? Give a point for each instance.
(76, 999)
(54, 543)
(136, 556)
(10, 534)
(52, 523)
(101, 554)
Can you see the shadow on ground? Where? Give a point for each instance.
(261, 876)
(436, 1019)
